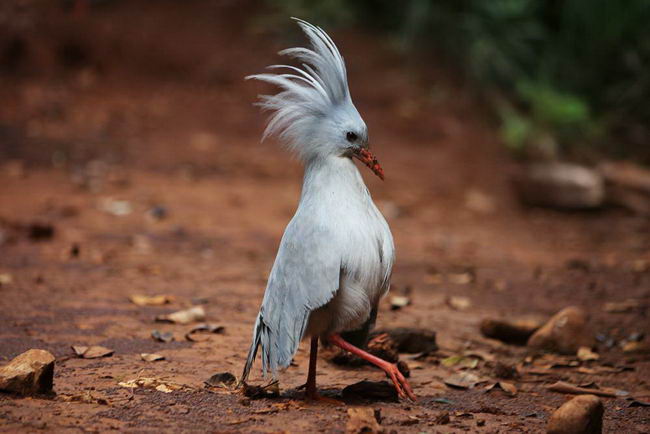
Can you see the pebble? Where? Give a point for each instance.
(30, 373)
(564, 333)
(581, 415)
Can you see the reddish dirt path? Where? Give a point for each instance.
(189, 141)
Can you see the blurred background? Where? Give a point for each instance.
(515, 137)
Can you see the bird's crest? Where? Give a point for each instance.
(308, 93)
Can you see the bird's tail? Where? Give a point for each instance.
(252, 352)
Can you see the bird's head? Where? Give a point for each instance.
(313, 114)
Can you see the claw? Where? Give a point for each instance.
(401, 384)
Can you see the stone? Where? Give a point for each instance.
(30, 373)
(564, 333)
(561, 185)
(510, 332)
(363, 420)
(581, 415)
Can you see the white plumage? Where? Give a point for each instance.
(336, 255)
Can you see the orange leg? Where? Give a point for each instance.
(401, 385)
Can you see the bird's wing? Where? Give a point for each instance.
(305, 276)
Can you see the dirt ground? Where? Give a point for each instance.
(144, 158)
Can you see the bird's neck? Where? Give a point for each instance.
(333, 175)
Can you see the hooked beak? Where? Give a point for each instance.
(366, 157)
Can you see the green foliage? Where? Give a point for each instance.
(567, 67)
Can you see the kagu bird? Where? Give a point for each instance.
(335, 258)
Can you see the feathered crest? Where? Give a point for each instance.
(308, 94)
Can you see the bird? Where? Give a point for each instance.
(335, 259)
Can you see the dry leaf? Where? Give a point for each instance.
(162, 337)
(461, 361)
(509, 388)
(458, 303)
(93, 352)
(222, 379)
(150, 357)
(598, 370)
(270, 390)
(628, 305)
(203, 329)
(586, 355)
(5, 279)
(462, 380)
(460, 278)
(564, 387)
(399, 301)
(150, 300)
(151, 383)
(164, 388)
(636, 347)
(195, 313)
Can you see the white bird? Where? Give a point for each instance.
(336, 255)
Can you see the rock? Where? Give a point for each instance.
(30, 373)
(411, 340)
(627, 185)
(581, 415)
(564, 333)
(372, 390)
(627, 175)
(517, 332)
(363, 420)
(561, 185)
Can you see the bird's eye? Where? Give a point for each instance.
(352, 137)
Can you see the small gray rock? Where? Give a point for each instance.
(561, 185)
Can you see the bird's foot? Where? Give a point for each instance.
(401, 384)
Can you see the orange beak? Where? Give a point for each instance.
(366, 157)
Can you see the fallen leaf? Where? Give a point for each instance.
(586, 355)
(635, 402)
(5, 279)
(150, 357)
(203, 329)
(598, 370)
(271, 390)
(399, 301)
(462, 380)
(151, 383)
(150, 300)
(458, 302)
(268, 410)
(509, 388)
(442, 401)
(116, 207)
(92, 352)
(162, 337)
(460, 278)
(564, 387)
(222, 379)
(636, 347)
(195, 313)
(164, 388)
(461, 361)
(628, 305)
